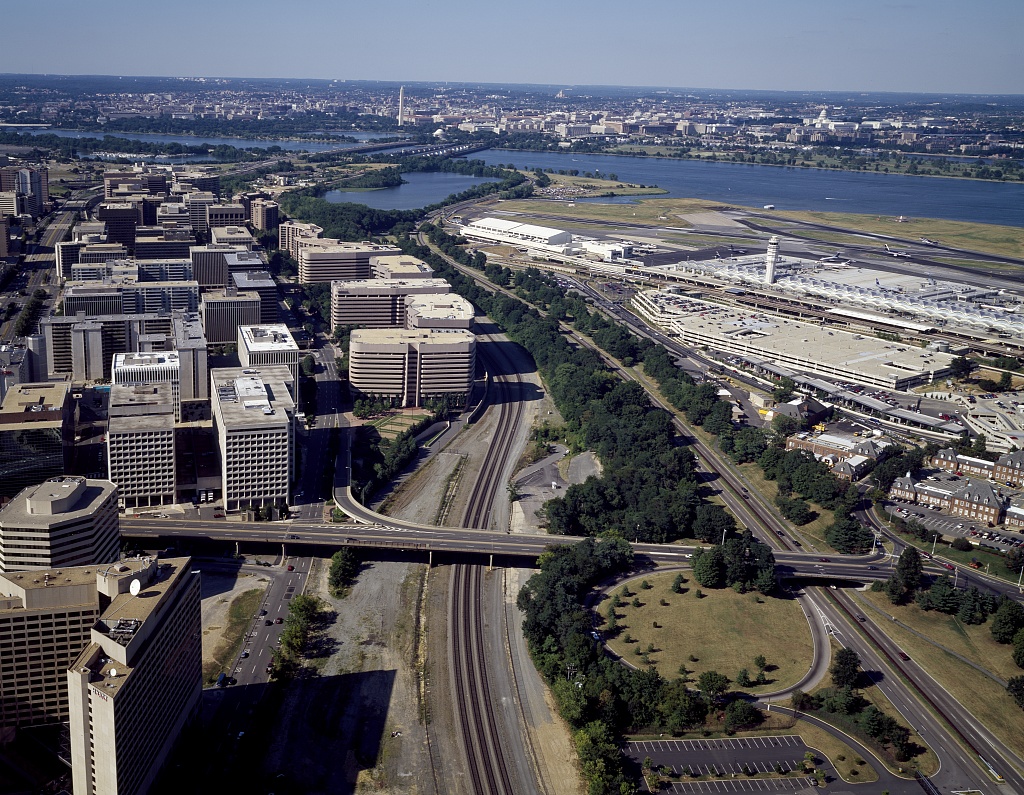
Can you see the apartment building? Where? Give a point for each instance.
(37, 434)
(410, 367)
(63, 521)
(378, 303)
(253, 419)
(141, 443)
(290, 233)
(263, 345)
(264, 214)
(138, 683)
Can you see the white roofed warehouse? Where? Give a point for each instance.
(504, 230)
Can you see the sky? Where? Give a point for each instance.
(935, 46)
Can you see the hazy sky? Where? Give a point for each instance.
(870, 45)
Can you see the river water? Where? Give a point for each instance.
(794, 188)
(420, 189)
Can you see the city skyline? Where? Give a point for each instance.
(935, 47)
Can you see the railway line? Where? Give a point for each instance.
(490, 773)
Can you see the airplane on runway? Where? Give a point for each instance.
(928, 242)
(896, 253)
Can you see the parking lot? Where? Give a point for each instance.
(724, 757)
(746, 785)
(946, 525)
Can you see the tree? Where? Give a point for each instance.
(682, 709)
(1007, 621)
(961, 544)
(344, 567)
(908, 568)
(760, 662)
(845, 669)
(308, 365)
(742, 715)
(1005, 382)
(712, 684)
(709, 568)
(1018, 648)
(961, 367)
(1015, 687)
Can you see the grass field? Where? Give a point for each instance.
(725, 631)
(813, 530)
(643, 211)
(563, 184)
(240, 614)
(986, 699)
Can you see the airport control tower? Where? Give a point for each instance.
(770, 259)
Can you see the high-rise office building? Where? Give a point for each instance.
(197, 203)
(139, 682)
(253, 419)
(158, 242)
(155, 367)
(116, 296)
(225, 215)
(140, 443)
(412, 366)
(31, 183)
(37, 434)
(263, 284)
(325, 260)
(225, 310)
(120, 218)
(377, 303)
(5, 236)
(438, 312)
(399, 266)
(46, 618)
(190, 344)
(238, 236)
(84, 347)
(63, 521)
(259, 346)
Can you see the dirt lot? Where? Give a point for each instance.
(218, 591)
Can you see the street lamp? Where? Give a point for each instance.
(935, 540)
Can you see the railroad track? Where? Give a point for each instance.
(488, 770)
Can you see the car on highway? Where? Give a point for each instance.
(824, 560)
(278, 620)
(873, 568)
(903, 656)
(291, 567)
(268, 623)
(245, 654)
(861, 617)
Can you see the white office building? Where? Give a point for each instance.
(140, 444)
(253, 419)
(157, 367)
(259, 346)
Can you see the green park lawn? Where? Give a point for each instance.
(725, 631)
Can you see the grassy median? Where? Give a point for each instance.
(240, 617)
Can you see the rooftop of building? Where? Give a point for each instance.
(146, 359)
(376, 286)
(124, 618)
(448, 306)
(806, 341)
(188, 331)
(46, 578)
(247, 396)
(229, 294)
(384, 336)
(268, 337)
(61, 498)
(397, 264)
(36, 404)
(252, 280)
